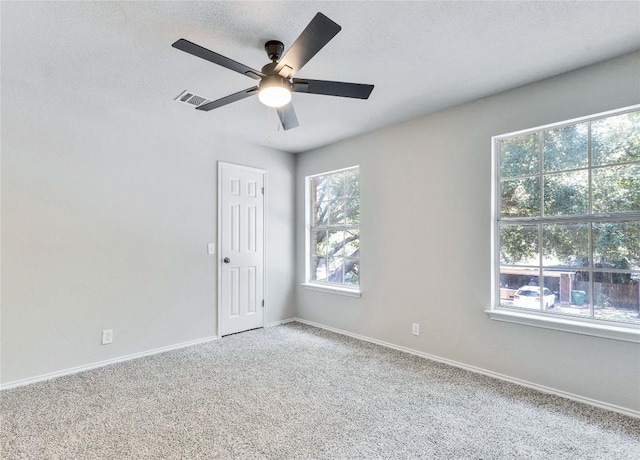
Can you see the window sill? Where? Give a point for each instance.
(332, 289)
(607, 331)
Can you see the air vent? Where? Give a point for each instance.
(190, 98)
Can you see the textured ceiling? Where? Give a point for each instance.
(421, 56)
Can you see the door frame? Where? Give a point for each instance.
(263, 172)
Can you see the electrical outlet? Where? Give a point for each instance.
(415, 329)
(107, 336)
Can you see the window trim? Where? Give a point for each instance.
(586, 326)
(597, 328)
(333, 288)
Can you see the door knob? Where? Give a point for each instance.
(226, 260)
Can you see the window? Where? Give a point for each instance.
(567, 206)
(333, 231)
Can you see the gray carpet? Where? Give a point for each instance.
(297, 392)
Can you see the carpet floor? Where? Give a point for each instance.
(298, 392)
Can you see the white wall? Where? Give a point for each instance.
(106, 214)
(425, 238)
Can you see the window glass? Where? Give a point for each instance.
(334, 234)
(565, 245)
(566, 147)
(568, 220)
(616, 139)
(519, 156)
(520, 197)
(566, 193)
(614, 297)
(519, 245)
(616, 245)
(616, 188)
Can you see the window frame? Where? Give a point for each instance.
(325, 286)
(580, 325)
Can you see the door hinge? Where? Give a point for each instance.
(263, 302)
(263, 190)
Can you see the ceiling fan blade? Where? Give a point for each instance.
(287, 116)
(317, 34)
(332, 88)
(228, 99)
(208, 55)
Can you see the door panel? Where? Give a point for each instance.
(241, 227)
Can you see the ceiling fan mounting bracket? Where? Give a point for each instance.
(274, 49)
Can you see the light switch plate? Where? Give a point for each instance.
(211, 248)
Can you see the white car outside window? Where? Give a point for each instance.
(529, 297)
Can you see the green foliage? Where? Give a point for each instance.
(566, 147)
(616, 139)
(519, 156)
(565, 245)
(617, 244)
(566, 193)
(518, 244)
(616, 188)
(520, 197)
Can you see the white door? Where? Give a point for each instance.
(241, 248)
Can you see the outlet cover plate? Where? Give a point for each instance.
(107, 336)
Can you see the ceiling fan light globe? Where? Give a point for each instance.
(274, 96)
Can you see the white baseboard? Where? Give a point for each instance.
(75, 370)
(278, 323)
(506, 378)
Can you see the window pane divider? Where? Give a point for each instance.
(579, 218)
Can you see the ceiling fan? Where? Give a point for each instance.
(277, 80)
